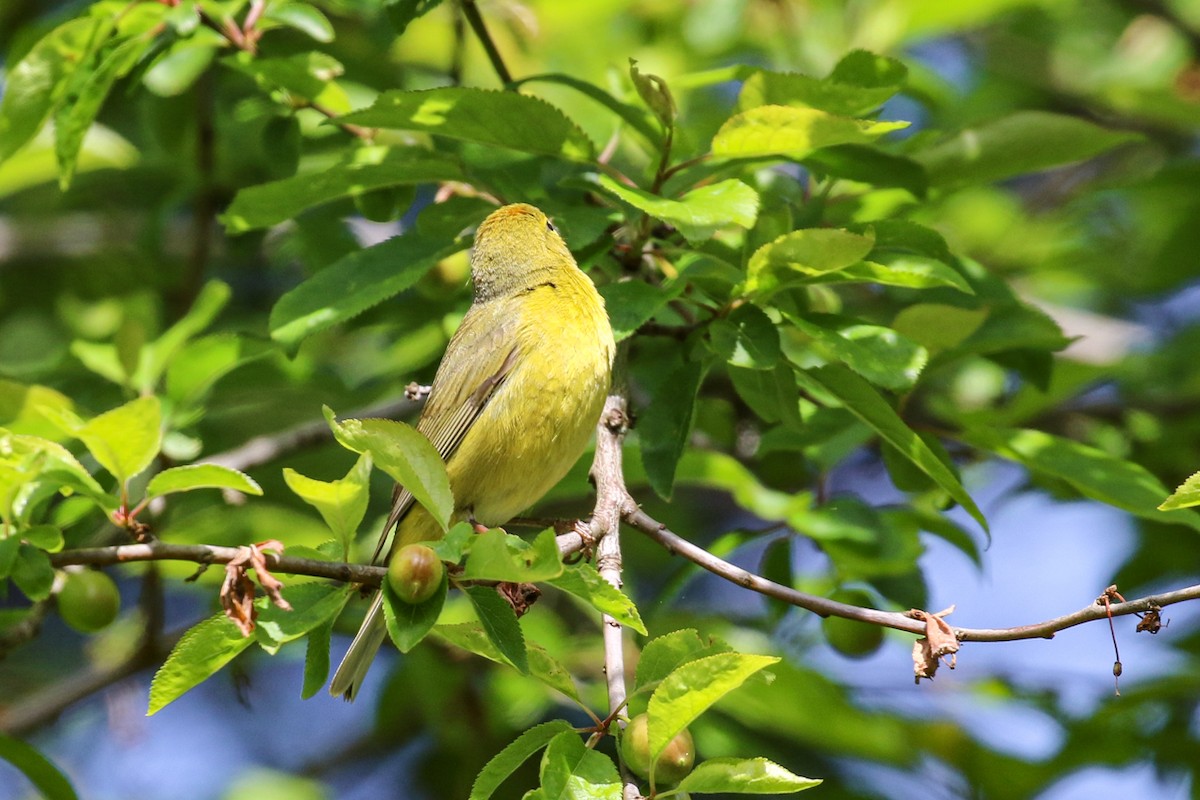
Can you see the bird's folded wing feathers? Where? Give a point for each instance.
(481, 359)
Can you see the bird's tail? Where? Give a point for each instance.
(353, 669)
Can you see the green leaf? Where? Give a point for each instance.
(313, 604)
(866, 164)
(771, 394)
(202, 651)
(499, 556)
(1027, 141)
(938, 326)
(743, 776)
(367, 169)
(126, 439)
(666, 424)
(44, 537)
(747, 338)
(457, 542)
(472, 637)
(499, 621)
(787, 132)
(516, 753)
(20, 408)
(402, 12)
(409, 623)
(1093, 473)
(571, 771)
(633, 303)
(46, 778)
(302, 17)
(1186, 496)
(32, 87)
(663, 655)
(176, 70)
(860, 83)
(404, 453)
(698, 214)
(75, 117)
(316, 659)
(690, 689)
(31, 572)
(879, 354)
(156, 356)
(861, 399)
(807, 252)
(911, 273)
(200, 363)
(200, 476)
(501, 119)
(583, 581)
(654, 93)
(354, 283)
(342, 503)
(306, 76)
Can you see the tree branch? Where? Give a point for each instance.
(364, 574)
(891, 619)
(265, 449)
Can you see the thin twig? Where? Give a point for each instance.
(364, 574)
(265, 449)
(475, 20)
(825, 607)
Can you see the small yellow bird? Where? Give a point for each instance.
(517, 394)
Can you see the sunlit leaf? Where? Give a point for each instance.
(516, 753)
(790, 132)
(743, 776)
(405, 454)
(200, 476)
(202, 651)
(699, 213)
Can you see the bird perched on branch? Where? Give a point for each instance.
(515, 398)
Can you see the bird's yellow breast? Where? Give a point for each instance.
(538, 423)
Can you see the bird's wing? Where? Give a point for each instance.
(480, 356)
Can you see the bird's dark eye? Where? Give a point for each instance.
(550, 226)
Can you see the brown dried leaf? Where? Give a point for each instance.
(939, 642)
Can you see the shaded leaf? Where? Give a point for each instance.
(353, 284)
(1027, 141)
(665, 425)
(367, 169)
(861, 399)
(46, 778)
(316, 659)
(633, 303)
(409, 623)
(472, 637)
(516, 753)
(1093, 473)
(503, 119)
(747, 338)
(499, 621)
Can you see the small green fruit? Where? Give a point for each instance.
(673, 764)
(415, 573)
(88, 601)
(850, 637)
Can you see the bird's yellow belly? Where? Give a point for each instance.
(535, 428)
